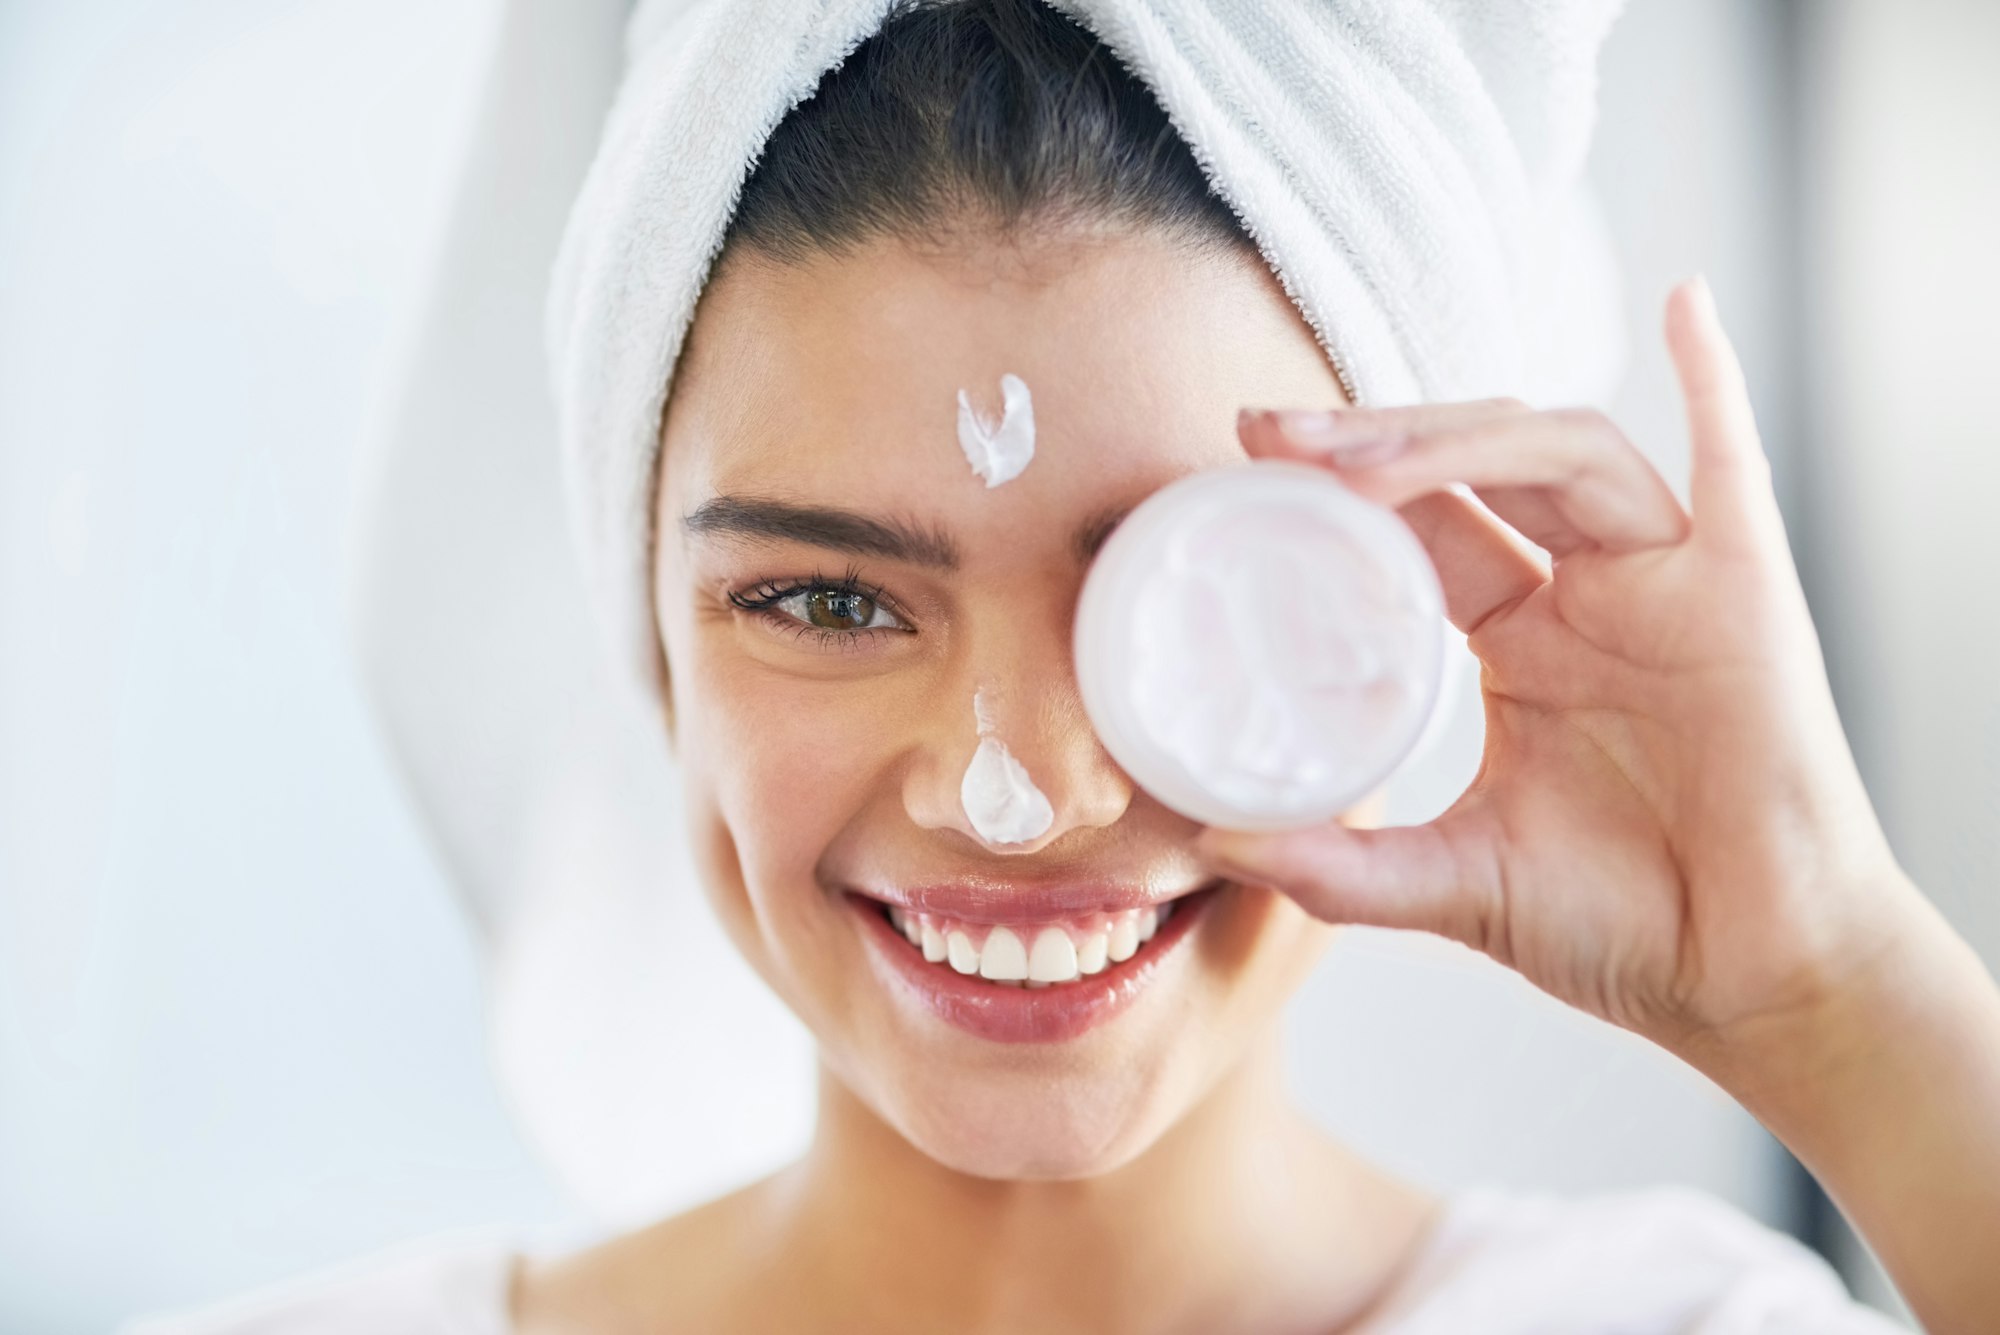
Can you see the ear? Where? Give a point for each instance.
(663, 689)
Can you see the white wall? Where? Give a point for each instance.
(240, 1025)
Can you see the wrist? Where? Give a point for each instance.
(1887, 1088)
(1849, 999)
(1896, 1035)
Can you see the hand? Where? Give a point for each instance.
(1667, 828)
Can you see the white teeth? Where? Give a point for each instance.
(1060, 953)
(1003, 958)
(1054, 957)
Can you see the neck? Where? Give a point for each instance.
(1242, 1216)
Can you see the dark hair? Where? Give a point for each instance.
(997, 114)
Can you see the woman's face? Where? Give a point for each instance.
(834, 586)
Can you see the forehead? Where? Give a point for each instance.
(840, 375)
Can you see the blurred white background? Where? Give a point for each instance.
(241, 1014)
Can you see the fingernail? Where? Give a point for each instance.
(1349, 439)
(1699, 289)
(1320, 430)
(1363, 453)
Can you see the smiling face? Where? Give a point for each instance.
(835, 585)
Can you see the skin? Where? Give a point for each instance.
(1667, 830)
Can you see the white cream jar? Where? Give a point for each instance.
(1260, 648)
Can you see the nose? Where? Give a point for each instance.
(1014, 764)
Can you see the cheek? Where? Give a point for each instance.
(782, 764)
(1263, 945)
(1297, 940)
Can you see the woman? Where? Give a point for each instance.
(1667, 830)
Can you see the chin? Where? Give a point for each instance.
(1030, 1126)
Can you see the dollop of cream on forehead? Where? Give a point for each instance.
(999, 798)
(999, 451)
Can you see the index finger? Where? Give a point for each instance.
(1595, 478)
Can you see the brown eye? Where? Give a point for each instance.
(838, 609)
(835, 610)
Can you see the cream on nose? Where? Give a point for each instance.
(998, 795)
(1027, 773)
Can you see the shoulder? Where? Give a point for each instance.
(1663, 1259)
(443, 1286)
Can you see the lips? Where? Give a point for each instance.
(1006, 1004)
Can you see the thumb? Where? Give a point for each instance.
(1729, 491)
(1441, 877)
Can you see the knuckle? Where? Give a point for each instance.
(1454, 439)
(1586, 421)
(1592, 438)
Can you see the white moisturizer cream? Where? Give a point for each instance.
(999, 798)
(1260, 648)
(998, 451)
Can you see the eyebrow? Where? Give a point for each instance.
(863, 535)
(822, 526)
(1092, 532)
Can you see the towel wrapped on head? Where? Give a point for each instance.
(1410, 169)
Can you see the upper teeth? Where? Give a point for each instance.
(1052, 953)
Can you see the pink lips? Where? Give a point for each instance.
(1015, 1014)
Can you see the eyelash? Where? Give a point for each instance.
(763, 599)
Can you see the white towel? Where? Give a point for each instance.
(1409, 170)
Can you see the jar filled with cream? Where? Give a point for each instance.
(1260, 648)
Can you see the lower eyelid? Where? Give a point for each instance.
(786, 622)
